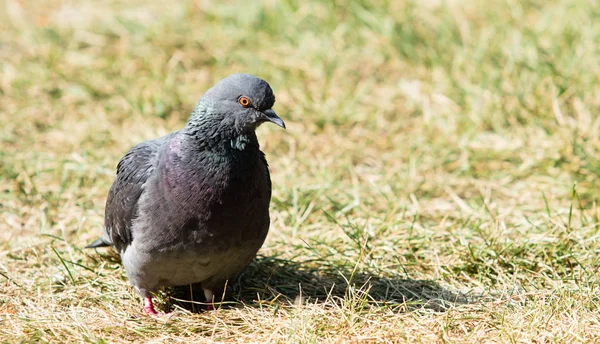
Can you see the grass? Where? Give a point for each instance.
(438, 181)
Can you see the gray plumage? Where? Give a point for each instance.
(193, 206)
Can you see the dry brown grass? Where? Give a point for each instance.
(438, 181)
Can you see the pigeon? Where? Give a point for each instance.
(193, 206)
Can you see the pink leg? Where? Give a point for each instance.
(208, 298)
(148, 306)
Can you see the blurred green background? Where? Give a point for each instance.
(433, 148)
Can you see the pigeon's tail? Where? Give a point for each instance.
(100, 242)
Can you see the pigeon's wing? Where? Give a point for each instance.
(133, 171)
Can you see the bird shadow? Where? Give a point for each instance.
(274, 280)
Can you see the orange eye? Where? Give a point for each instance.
(245, 102)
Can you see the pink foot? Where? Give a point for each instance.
(148, 306)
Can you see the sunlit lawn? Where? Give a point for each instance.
(438, 181)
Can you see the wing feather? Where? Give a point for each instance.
(133, 170)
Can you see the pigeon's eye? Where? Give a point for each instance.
(245, 102)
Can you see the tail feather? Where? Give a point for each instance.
(100, 242)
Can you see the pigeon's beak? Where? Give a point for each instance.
(272, 117)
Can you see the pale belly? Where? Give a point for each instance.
(194, 265)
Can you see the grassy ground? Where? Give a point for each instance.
(438, 181)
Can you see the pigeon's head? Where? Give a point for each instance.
(242, 101)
